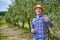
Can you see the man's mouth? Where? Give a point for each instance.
(38, 11)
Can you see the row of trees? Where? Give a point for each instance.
(22, 11)
(2, 13)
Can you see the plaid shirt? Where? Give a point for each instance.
(40, 25)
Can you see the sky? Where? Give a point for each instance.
(4, 4)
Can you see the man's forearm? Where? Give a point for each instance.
(49, 24)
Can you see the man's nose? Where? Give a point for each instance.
(39, 11)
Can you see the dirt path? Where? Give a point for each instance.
(11, 33)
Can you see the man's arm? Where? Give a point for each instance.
(33, 30)
(48, 22)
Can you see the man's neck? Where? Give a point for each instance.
(38, 15)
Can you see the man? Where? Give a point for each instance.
(39, 24)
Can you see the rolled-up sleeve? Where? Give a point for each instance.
(32, 26)
(49, 24)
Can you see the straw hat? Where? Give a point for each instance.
(38, 6)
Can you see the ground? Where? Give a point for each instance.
(11, 33)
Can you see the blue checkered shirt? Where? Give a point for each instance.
(40, 25)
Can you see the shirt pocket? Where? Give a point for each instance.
(40, 23)
(36, 23)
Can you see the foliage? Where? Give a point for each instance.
(2, 23)
(2, 13)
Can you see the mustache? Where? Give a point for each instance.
(38, 11)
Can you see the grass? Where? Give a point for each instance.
(2, 23)
(26, 33)
(54, 37)
(3, 37)
(25, 30)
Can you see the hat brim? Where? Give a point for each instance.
(38, 7)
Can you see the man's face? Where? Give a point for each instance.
(38, 11)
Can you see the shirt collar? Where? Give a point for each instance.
(39, 16)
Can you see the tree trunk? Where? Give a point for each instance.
(29, 24)
(22, 24)
(48, 33)
(18, 25)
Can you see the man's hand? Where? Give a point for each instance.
(33, 30)
(46, 19)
